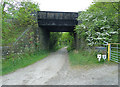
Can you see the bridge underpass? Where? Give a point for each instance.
(56, 22)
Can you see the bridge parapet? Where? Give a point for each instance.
(48, 18)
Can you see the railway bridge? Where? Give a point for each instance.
(49, 21)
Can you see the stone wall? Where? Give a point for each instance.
(28, 42)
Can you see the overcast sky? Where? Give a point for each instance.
(64, 5)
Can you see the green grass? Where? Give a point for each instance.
(9, 66)
(84, 58)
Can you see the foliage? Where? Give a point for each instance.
(66, 39)
(16, 16)
(27, 13)
(23, 60)
(53, 42)
(99, 23)
(61, 39)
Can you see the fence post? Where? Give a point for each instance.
(109, 48)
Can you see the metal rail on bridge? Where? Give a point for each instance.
(49, 18)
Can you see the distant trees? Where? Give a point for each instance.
(61, 39)
(99, 23)
(66, 39)
(54, 38)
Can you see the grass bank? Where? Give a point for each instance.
(84, 58)
(22, 61)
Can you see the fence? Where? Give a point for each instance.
(28, 42)
(114, 52)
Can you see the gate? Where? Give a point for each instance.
(114, 52)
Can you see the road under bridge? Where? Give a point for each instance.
(49, 21)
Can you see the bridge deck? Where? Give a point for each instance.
(47, 18)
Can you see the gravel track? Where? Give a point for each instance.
(55, 70)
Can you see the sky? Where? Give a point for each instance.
(64, 5)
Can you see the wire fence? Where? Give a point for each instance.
(27, 42)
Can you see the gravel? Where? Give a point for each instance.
(55, 70)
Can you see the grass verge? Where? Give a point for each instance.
(24, 60)
(84, 58)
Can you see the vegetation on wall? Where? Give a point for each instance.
(18, 23)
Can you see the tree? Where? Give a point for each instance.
(99, 23)
(16, 16)
(54, 37)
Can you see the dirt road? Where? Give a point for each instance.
(55, 70)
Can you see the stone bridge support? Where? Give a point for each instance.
(76, 41)
(80, 43)
(44, 38)
(41, 38)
